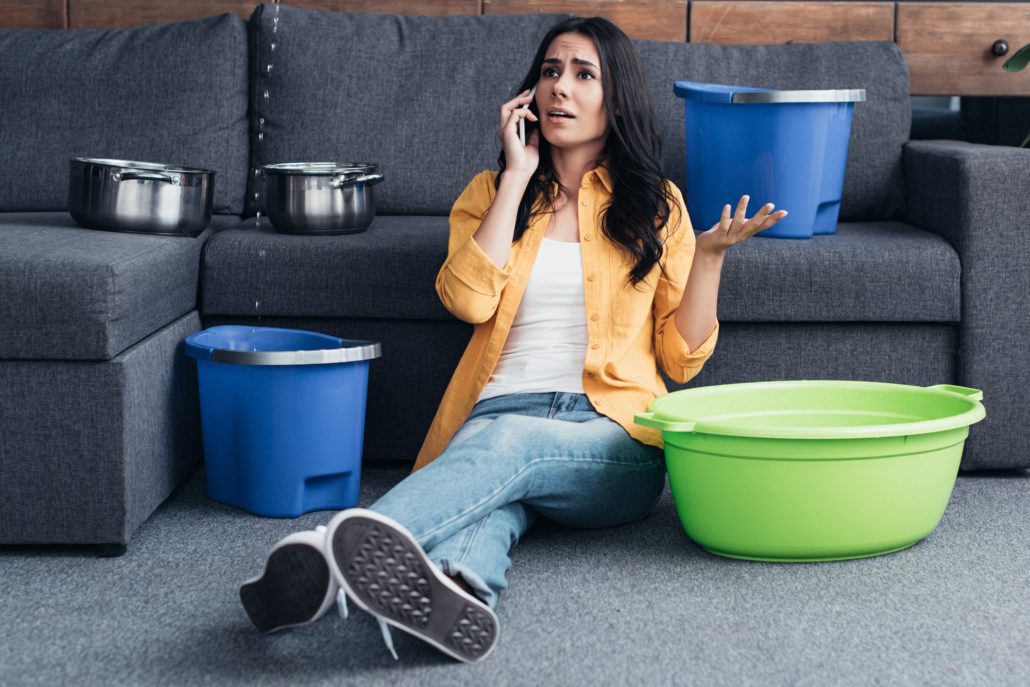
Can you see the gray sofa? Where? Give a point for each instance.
(925, 281)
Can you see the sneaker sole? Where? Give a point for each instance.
(290, 592)
(388, 575)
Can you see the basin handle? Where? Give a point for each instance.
(148, 176)
(963, 391)
(649, 420)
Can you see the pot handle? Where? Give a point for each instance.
(365, 178)
(963, 391)
(649, 420)
(147, 176)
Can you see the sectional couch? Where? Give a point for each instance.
(925, 281)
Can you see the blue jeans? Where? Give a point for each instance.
(516, 457)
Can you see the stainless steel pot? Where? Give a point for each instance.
(321, 197)
(142, 197)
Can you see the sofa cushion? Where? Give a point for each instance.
(80, 294)
(866, 272)
(170, 93)
(419, 96)
(874, 186)
(256, 271)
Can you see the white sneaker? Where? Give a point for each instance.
(386, 573)
(296, 586)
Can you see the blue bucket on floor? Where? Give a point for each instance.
(784, 147)
(282, 416)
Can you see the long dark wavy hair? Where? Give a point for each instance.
(641, 203)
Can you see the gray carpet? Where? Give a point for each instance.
(639, 604)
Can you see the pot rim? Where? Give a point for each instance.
(320, 168)
(134, 164)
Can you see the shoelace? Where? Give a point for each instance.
(384, 627)
(344, 611)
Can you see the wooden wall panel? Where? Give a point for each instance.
(800, 22)
(662, 20)
(948, 47)
(122, 13)
(33, 14)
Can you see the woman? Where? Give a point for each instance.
(573, 263)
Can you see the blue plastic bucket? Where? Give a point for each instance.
(282, 416)
(784, 147)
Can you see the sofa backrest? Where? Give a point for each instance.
(419, 96)
(874, 182)
(170, 93)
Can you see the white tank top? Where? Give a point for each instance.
(547, 345)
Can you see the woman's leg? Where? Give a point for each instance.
(558, 456)
(478, 554)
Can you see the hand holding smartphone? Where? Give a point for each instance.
(522, 120)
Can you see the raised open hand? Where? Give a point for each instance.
(729, 231)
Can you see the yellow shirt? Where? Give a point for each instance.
(630, 331)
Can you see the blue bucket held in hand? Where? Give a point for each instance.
(282, 416)
(789, 148)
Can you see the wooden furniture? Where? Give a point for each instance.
(952, 48)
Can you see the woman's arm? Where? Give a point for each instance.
(498, 228)
(495, 234)
(696, 314)
(476, 271)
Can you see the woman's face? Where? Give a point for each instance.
(570, 83)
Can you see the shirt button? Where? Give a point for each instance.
(590, 277)
(586, 202)
(595, 346)
(586, 237)
(595, 317)
(598, 402)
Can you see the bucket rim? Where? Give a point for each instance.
(335, 350)
(751, 95)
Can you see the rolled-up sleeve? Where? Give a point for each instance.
(671, 350)
(469, 283)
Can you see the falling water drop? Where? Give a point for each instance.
(261, 136)
(265, 94)
(257, 219)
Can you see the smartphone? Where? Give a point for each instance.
(522, 121)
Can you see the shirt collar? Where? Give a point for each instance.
(602, 173)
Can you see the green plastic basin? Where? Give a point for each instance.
(812, 470)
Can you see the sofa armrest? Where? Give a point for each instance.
(977, 197)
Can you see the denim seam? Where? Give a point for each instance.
(531, 463)
(466, 545)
